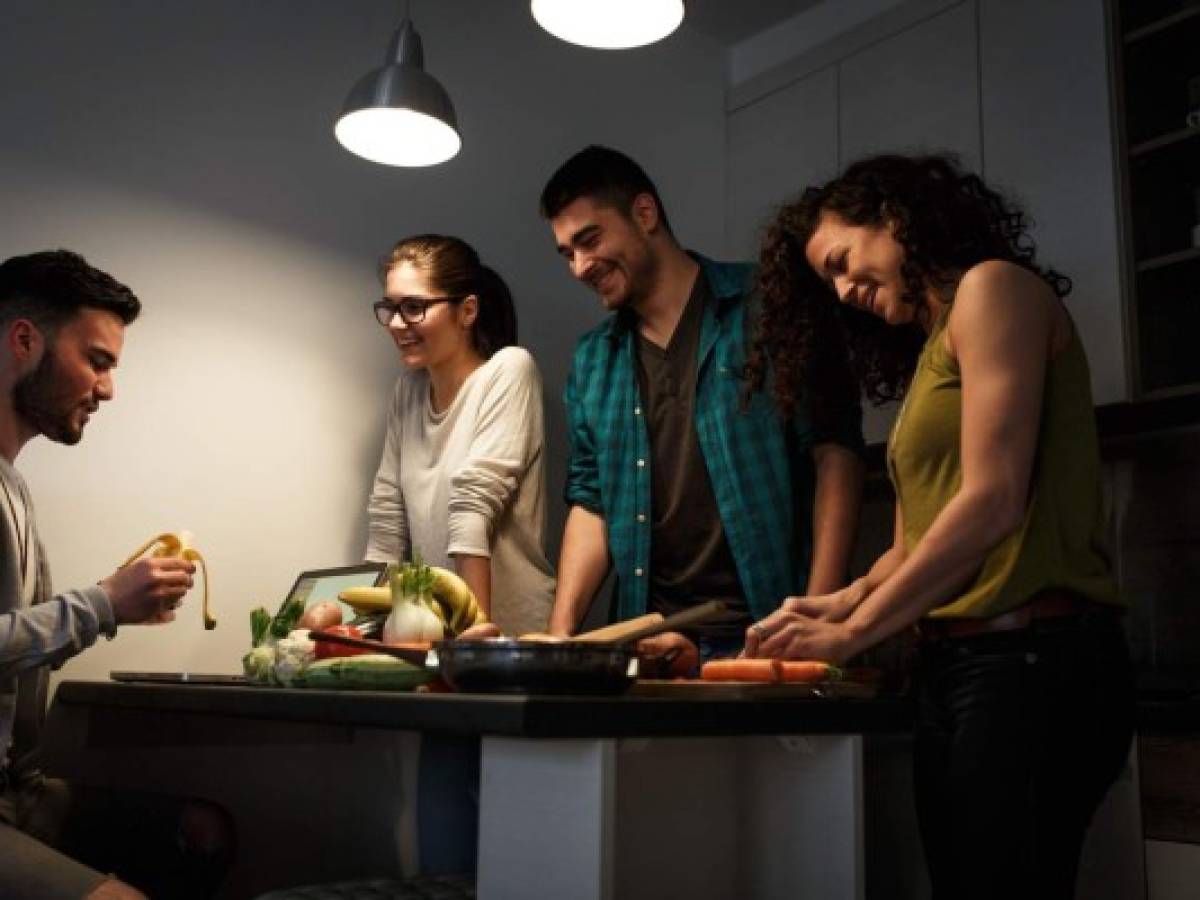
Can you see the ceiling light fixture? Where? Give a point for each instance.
(608, 24)
(398, 114)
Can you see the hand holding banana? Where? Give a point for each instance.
(147, 588)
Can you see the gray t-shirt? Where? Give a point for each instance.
(37, 630)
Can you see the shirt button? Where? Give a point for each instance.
(638, 572)
(641, 463)
(641, 517)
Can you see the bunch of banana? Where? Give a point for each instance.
(454, 603)
(177, 545)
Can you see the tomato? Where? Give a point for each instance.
(328, 649)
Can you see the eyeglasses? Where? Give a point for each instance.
(411, 309)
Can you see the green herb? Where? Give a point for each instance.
(287, 617)
(260, 624)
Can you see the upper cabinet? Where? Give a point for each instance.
(1156, 51)
(777, 146)
(915, 91)
(1048, 141)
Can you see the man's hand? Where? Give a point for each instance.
(674, 653)
(148, 591)
(481, 632)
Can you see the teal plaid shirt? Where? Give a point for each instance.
(759, 464)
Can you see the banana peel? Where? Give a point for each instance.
(177, 545)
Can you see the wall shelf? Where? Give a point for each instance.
(1156, 76)
(1163, 141)
(1169, 259)
(1163, 24)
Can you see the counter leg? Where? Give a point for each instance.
(546, 819)
(804, 817)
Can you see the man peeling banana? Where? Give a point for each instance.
(62, 329)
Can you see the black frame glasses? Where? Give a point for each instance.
(411, 310)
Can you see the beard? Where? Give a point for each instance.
(38, 399)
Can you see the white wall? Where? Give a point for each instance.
(187, 148)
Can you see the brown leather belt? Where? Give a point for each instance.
(1050, 604)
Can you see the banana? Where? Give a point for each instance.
(455, 605)
(367, 599)
(179, 545)
(461, 609)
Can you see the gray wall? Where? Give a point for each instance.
(188, 149)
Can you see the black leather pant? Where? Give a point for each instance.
(1019, 735)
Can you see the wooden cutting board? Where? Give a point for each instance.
(620, 630)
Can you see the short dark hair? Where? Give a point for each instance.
(51, 286)
(604, 175)
(453, 266)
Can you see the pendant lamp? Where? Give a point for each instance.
(608, 24)
(399, 115)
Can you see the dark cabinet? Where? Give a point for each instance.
(1156, 47)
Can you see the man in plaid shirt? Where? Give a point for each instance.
(691, 487)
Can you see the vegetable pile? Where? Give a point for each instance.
(426, 604)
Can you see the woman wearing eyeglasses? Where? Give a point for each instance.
(462, 478)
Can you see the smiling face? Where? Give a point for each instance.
(443, 335)
(73, 376)
(862, 265)
(609, 252)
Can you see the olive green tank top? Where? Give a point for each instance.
(1061, 543)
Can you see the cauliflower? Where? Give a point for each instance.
(259, 662)
(293, 655)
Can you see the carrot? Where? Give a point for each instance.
(761, 670)
(809, 670)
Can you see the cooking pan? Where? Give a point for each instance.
(515, 666)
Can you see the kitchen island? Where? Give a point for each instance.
(579, 797)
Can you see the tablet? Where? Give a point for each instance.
(316, 585)
(180, 677)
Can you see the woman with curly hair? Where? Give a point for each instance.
(924, 281)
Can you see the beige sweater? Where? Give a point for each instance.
(470, 480)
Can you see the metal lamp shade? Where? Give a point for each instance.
(608, 24)
(399, 115)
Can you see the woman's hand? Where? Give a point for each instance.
(789, 635)
(835, 607)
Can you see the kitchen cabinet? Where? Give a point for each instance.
(1048, 141)
(777, 146)
(1157, 86)
(917, 91)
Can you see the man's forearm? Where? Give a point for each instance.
(836, 502)
(582, 565)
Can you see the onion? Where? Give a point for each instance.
(320, 616)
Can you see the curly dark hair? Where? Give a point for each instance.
(945, 219)
(51, 286)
